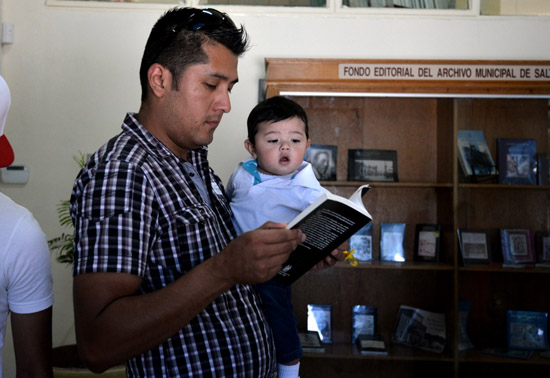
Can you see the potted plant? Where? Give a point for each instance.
(65, 359)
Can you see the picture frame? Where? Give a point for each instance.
(364, 321)
(517, 163)
(323, 159)
(392, 242)
(543, 169)
(319, 319)
(372, 165)
(427, 242)
(542, 248)
(517, 247)
(474, 246)
(361, 241)
(311, 342)
(474, 156)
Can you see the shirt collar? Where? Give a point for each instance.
(154, 146)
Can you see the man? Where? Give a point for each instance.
(160, 279)
(25, 275)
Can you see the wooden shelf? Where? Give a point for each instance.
(355, 184)
(395, 353)
(500, 269)
(420, 119)
(406, 265)
(477, 356)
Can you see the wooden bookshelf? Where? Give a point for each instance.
(419, 117)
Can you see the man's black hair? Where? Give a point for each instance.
(175, 46)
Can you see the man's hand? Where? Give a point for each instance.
(256, 256)
(336, 255)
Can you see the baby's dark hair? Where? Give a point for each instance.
(274, 109)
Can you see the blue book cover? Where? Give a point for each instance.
(517, 162)
(527, 330)
(361, 242)
(473, 154)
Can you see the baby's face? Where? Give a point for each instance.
(280, 146)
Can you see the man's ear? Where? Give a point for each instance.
(158, 77)
(250, 148)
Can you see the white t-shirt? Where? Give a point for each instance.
(25, 268)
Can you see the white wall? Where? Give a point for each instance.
(73, 73)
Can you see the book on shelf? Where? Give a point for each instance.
(371, 344)
(542, 248)
(517, 161)
(518, 249)
(311, 342)
(420, 329)
(527, 330)
(364, 321)
(474, 156)
(509, 353)
(319, 319)
(327, 223)
(361, 242)
(392, 242)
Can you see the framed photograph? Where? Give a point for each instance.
(311, 342)
(323, 159)
(517, 247)
(392, 240)
(527, 330)
(319, 320)
(372, 165)
(364, 321)
(542, 248)
(474, 246)
(517, 162)
(543, 169)
(361, 241)
(473, 154)
(427, 242)
(420, 329)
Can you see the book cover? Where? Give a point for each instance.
(371, 344)
(392, 242)
(319, 319)
(420, 329)
(473, 154)
(517, 162)
(372, 165)
(361, 241)
(324, 160)
(364, 320)
(327, 223)
(527, 330)
(311, 342)
(518, 249)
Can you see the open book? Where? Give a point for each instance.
(327, 223)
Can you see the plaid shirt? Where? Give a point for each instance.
(136, 210)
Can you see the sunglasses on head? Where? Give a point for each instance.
(202, 19)
(198, 19)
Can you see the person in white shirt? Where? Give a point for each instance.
(26, 285)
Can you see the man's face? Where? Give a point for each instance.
(192, 113)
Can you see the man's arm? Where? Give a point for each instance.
(32, 341)
(113, 324)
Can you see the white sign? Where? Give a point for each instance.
(385, 71)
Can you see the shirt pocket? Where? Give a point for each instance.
(195, 232)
